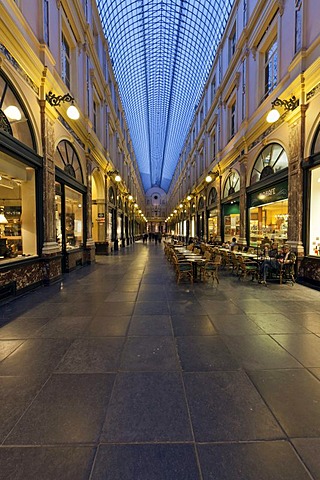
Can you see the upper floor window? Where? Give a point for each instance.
(298, 26)
(213, 88)
(65, 61)
(270, 68)
(95, 116)
(46, 21)
(232, 42)
(232, 113)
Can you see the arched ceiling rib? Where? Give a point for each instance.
(162, 52)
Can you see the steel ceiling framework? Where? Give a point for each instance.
(162, 52)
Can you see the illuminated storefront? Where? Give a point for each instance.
(231, 207)
(267, 197)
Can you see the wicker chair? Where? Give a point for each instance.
(248, 268)
(184, 269)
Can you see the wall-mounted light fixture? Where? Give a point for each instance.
(55, 101)
(116, 175)
(290, 104)
(211, 176)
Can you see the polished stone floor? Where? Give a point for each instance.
(118, 373)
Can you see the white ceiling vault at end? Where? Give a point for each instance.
(162, 52)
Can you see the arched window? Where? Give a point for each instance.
(201, 203)
(212, 198)
(271, 160)
(111, 195)
(232, 184)
(315, 148)
(66, 158)
(14, 118)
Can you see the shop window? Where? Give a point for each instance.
(272, 159)
(69, 217)
(14, 118)
(232, 184)
(17, 210)
(314, 231)
(269, 223)
(112, 197)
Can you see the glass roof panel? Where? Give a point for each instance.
(162, 52)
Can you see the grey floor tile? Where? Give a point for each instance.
(152, 296)
(22, 328)
(151, 308)
(192, 325)
(92, 355)
(147, 407)
(146, 462)
(63, 327)
(7, 347)
(205, 353)
(305, 348)
(150, 325)
(149, 354)
(310, 321)
(225, 406)
(276, 323)
(16, 393)
(213, 308)
(69, 409)
(121, 297)
(230, 324)
(251, 461)
(294, 398)
(315, 371)
(108, 326)
(35, 357)
(187, 307)
(45, 463)
(309, 451)
(259, 352)
(115, 308)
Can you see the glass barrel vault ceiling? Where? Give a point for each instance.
(162, 52)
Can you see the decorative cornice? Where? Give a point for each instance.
(18, 68)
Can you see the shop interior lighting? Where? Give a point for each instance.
(12, 113)
(290, 104)
(55, 101)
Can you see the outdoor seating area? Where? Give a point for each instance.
(202, 262)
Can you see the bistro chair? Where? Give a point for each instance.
(248, 268)
(184, 269)
(210, 269)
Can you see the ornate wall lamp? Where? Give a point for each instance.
(211, 176)
(290, 104)
(55, 101)
(115, 174)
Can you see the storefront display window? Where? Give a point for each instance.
(231, 226)
(69, 221)
(269, 223)
(213, 223)
(17, 210)
(314, 235)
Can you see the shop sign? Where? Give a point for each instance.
(231, 208)
(271, 194)
(100, 215)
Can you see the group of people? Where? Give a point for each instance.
(156, 236)
(275, 260)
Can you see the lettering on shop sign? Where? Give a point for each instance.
(272, 194)
(268, 193)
